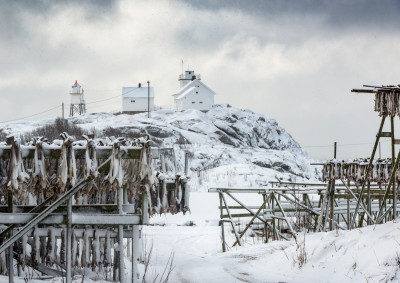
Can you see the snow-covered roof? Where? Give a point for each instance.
(186, 92)
(136, 92)
(189, 87)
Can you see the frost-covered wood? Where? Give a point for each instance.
(39, 169)
(387, 103)
(31, 180)
(355, 170)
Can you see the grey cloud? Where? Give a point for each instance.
(13, 14)
(334, 14)
(293, 60)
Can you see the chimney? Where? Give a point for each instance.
(140, 85)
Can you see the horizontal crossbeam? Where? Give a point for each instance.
(54, 152)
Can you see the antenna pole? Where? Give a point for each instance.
(334, 149)
(148, 99)
(62, 105)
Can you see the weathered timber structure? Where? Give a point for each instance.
(352, 193)
(67, 206)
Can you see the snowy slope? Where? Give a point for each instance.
(227, 146)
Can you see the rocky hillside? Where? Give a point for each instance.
(227, 146)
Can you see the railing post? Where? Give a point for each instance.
(222, 223)
(331, 203)
(69, 241)
(145, 208)
(121, 238)
(136, 236)
(10, 266)
(395, 194)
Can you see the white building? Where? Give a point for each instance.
(194, 94)
(137, 99)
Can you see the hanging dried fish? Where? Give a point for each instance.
(95, 249)
(85, 259)
(16, 170)
(75, 250)
(3, 264)
(35, 253)
(107, 250)
(67, 167)
(387, 103)
(39, 176)
(356, 170)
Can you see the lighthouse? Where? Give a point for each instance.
(77, 101)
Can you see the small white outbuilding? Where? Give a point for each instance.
(137, 99)
(194, 94)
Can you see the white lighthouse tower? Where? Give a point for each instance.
(77, 101)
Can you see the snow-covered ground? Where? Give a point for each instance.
(370, 254)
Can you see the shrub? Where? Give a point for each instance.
(53, 131)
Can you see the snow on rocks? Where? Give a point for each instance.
(224, 136)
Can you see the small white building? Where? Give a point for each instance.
(137, 99)
(194, 94)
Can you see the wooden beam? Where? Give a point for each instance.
(54, 152)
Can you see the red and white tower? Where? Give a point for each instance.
(77, 101)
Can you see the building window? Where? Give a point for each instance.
(197, 92)
(201, 102)
(193, 102)
(133, 101)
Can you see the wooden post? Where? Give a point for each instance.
(145, 208)
(148, 99)
(395, 194)
(368, 169)
(121, 238)
(393, 154)
(230, 217)
(348, 214)
(332, 191)
(222, 223)
(136, 237)
(331, 203)
(392, 137)
(186, 163)
(69, 241)
(265, 225)
(115, 265)
(10, 267)
(10, 259)
(369, 202)
(391, 183)
(274, 234)
(334, 150)
(162, 159)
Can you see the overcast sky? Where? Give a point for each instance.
(293, 60)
